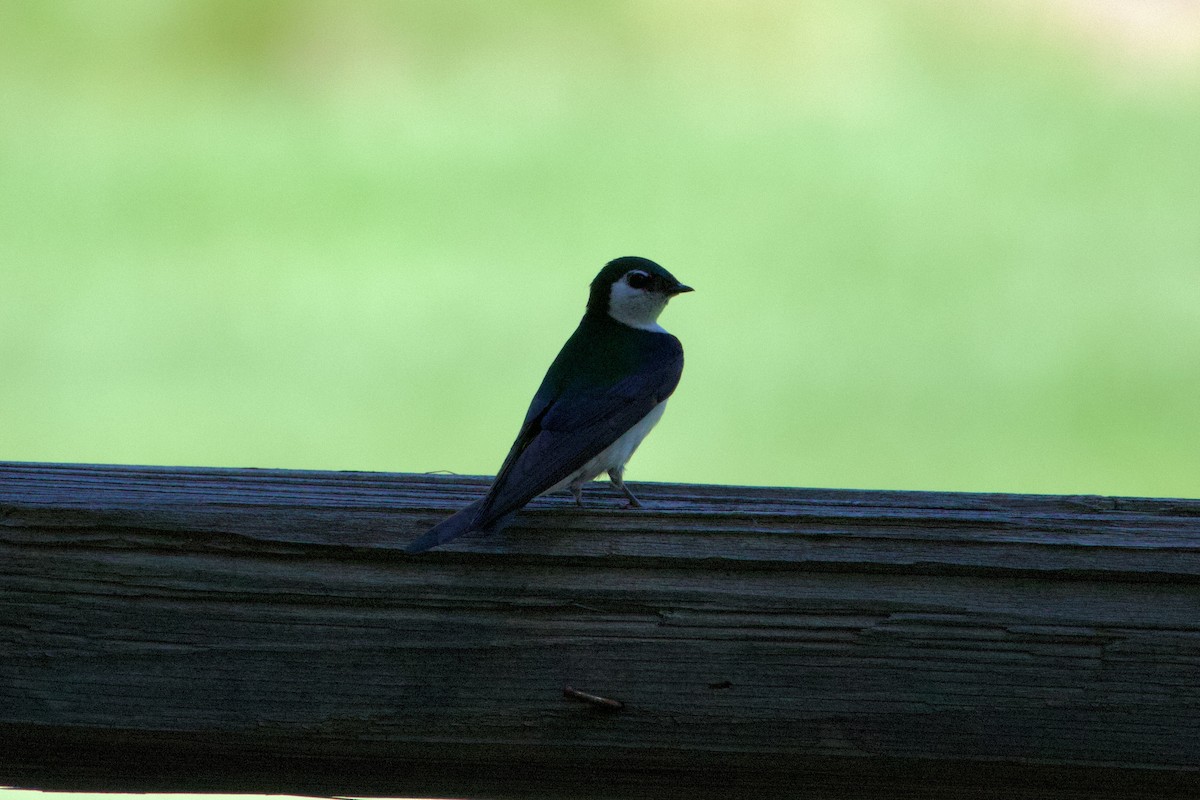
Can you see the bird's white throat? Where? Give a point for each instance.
(636, 308)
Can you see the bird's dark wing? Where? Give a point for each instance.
(476, 516)
(562, 434)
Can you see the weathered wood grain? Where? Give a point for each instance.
(261, 630)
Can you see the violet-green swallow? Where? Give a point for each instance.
(602, 394)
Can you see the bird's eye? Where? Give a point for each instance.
(637, 279)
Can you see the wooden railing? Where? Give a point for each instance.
(261, 630)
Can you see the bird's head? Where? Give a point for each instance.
(633, 291)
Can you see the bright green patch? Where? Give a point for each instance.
(929, 251)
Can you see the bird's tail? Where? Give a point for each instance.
(450, 528)
(465, 521)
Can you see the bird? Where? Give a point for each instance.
(602, 394)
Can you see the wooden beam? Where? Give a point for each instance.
(260, 630)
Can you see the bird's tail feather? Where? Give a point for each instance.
(465, 521)
(450, 528)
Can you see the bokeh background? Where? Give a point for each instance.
(936, 245)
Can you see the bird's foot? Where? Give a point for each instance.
(617, 478)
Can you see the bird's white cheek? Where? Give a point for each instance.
(636, 308)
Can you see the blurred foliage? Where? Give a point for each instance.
(935, 245)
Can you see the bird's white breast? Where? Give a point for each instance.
(620, 451)
(616, 454)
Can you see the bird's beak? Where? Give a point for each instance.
(679, 288)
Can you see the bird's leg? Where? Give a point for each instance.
(577, 490)
(616, 476)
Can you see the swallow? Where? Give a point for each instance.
(602, 394)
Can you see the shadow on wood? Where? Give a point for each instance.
(260, 631)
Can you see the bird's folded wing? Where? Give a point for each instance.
(574, 428)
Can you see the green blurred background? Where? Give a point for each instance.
(936, 245)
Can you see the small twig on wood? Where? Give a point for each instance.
(596, 700)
